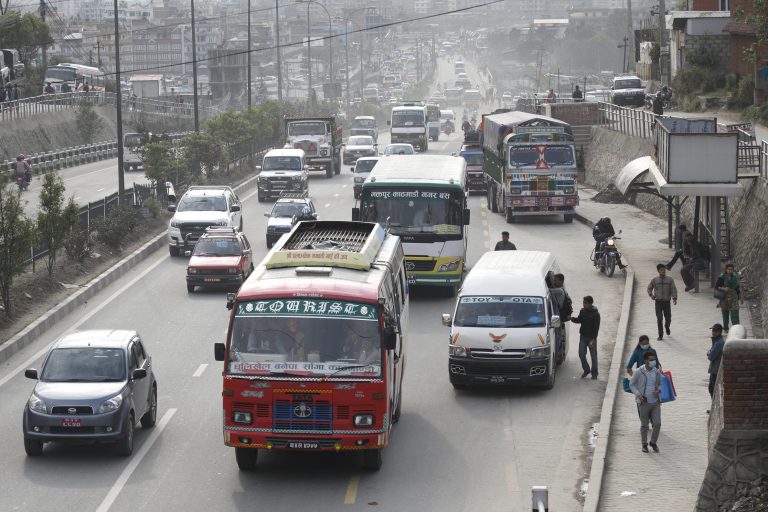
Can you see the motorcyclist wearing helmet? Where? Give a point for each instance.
(601, 231)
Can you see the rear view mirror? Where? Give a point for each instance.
(258, 168)
(447, 319)
(230, 300)
(235, 208)
(138, 374)
(218, 351)
(267, 214)
(390, 338)
(555, 321)
(172, 208)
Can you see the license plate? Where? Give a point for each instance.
(212, 279)
(497, 379)
(302, 445)
(70, 422)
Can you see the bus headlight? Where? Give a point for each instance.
(569, 190)
(363, 420)
(541, 352)
(452, 266)
(359, 179)
(457, 351)
(241, 417)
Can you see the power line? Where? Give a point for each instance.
(312, 40)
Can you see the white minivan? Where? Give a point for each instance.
(503, 330)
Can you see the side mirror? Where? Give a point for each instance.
(314, 215)
(306, 167)
(258, 168)
(267, 214)
(30, 373)
(187, 253)
(230, 300)
(218, 351)
(466, 216)
(390, 338)
(454, 154)
(172, 208)
(235, 207)
(356, 214)
(447, 319)
(555, 321)
(139, 373)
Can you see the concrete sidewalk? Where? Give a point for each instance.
(671, 478)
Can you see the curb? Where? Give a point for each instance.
(600, 454)
(34, 330)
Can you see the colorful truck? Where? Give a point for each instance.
(529, 163)
(321, 139)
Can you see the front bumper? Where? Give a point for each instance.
(274, 237)
(272, 189)
(629, 100)
(215, 280)
(93, 427)
(476, 182)
(241, 437)
(351, 159)
(542, 205)
(467, 370)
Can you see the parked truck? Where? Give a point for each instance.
(321, 139)
(529, 163)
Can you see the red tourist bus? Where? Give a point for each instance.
(314, 355)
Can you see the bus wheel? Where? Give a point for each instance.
(246, 458)
(372, 459)
(492, 203)
(568, 218)
(396, 415)
(510, 216)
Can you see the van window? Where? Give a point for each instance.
(500, 311)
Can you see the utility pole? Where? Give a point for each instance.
(248, 53)
(44, 50)
(119, 90)
(98, 53)
(277, 47)
(662, 30)
(629, 39)
(194, 68)
(624, 60)
(309, 59)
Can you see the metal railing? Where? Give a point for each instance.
(48, 103)
(629, 121)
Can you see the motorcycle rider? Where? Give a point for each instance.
(602, 231)
(22, 170)
(658, 104)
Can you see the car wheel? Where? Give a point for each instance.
(124, 445)
(551, 381)
(260, 198)
(568, 218)
(33, 447)
(269, 244)
(150, 417)
(174, 251)
(372, 459)
(191, 288)
(246, 458)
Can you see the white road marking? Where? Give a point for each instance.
(326, 205)
(114, 167)
(119, 484)
(99, 189)
(344, 186)
(335, 195)
(200, 370)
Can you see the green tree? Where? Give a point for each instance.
(89, 122)
(17, 233)
(205, 155)
(54, 219)
(26, 33)
(161, 163)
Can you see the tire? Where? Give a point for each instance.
(124, 445)
(509, 214)
(372, 459)
(551, 382)
(399, 408)
(246, 458)
(190, 288)
(610, 266)
(174, 251)
(451, 291)
(150, 417)
(494, 200)
(33, 447)
(336, 168)
(502, 206)
(260, 198)
(329, 170)
(568, 218)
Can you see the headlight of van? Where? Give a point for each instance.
(37, 405)
(457, 351)
(540, 352)
(452, 266)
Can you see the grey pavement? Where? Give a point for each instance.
(671, 478)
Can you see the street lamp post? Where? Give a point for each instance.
(248, 53)
(194, 68)
(346, 53)
(330, 41)
(120, 154)
(309, 58)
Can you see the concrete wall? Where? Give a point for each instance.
(738, 424)
(59, 130)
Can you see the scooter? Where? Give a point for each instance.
(22, 182)
(608, 257)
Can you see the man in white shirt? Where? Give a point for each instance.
(646, 386)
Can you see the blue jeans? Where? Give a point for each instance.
(583, 346)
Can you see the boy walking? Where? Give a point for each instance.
(662, 290)
(646, 386)
(589, 319)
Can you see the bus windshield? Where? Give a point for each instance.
(536, 156)
(415, 211)
(407, 118)
(500, 311)
(134, 140)
(307, 337)
(60, 74)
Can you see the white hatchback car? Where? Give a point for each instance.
(362, 170)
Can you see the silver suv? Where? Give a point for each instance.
(93, 386)
(287, 210)
(198, 209)
(627, 90)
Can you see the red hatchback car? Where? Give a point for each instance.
(222, 259)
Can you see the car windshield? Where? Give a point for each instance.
(631, 83)
(202, 204)
(305, 128)
(305, 337)
(282, 163)
(535, 156)
(407, 118)
(360, 140)
(288, 209)
(473, 158)
(363, 123)
(365, 165)
(85, 364)
(500, 311)
(399, 149)
(410, 211)
(217, 247)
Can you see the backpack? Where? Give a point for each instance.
(566, 310)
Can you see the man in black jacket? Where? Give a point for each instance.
(589, 318)
(658, 105)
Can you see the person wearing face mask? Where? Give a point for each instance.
(636, 359)
(646, 386)
(715, 354)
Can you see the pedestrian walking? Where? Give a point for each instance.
(589, 320)
(646, 386)
(504, 244)
(715, 355)
(636, 360)
(728, 283)
(551, 96)
(662, 290)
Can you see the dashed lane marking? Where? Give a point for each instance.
(326, 205)
(351, 495)
(200, 370)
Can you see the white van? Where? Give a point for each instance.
(503, 330)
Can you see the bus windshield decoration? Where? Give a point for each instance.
(414, 211)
